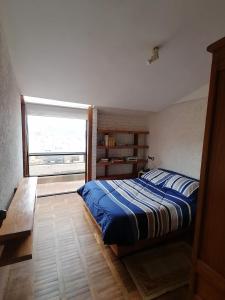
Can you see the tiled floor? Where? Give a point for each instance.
(69, 260)
(51, 188)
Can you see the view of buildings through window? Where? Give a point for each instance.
(56, 145)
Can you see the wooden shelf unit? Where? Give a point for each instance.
(135, 146)
(123, 147)
(17, 228)
(105, 130)
(116, 176)
(109, 163)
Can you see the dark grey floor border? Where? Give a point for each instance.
(56, 194)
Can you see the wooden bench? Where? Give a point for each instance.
(16, 230)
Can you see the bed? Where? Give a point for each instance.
(134, 212)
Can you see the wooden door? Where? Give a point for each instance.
(24, 138)
(88, 175)
(209, 244)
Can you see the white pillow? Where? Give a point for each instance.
(182, 185)
(156, 176)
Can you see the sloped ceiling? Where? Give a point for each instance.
(95, 51)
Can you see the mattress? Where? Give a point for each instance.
(135, 209)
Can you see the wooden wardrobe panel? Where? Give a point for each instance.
(206, 290)
(212, 240)
(209, 245)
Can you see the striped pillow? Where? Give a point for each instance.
(156, 176)
(182, 185)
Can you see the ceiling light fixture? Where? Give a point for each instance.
(155, 55)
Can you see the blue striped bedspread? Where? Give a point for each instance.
(134, 209)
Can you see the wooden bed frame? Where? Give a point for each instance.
(123, 250)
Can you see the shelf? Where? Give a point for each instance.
(123, 147)
(109, 163)
(136, 144)
(118, 176)
(105, 130)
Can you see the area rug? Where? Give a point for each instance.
(160, 270)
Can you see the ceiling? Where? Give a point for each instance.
(95, 51)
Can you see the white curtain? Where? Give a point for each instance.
(56, 111)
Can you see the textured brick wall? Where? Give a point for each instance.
(122, 121)
(10, 128)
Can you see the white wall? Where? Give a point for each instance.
(11, 168)
(176, 137)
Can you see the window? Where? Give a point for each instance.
(56, 145)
